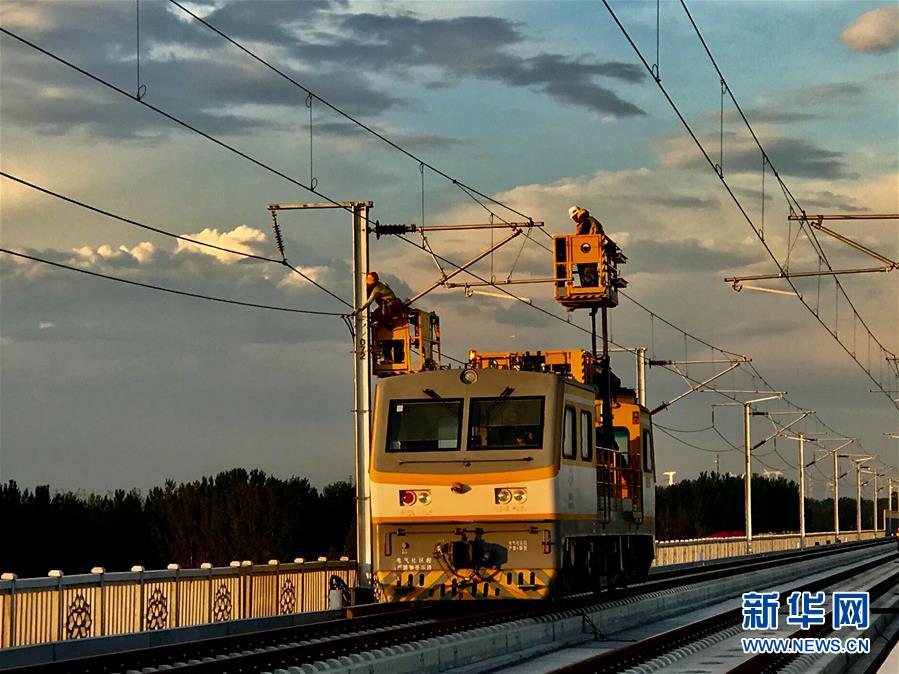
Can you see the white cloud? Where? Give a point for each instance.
(240, 238)
(874, 31)
(142, 252)
(23, 15)
(294, 280)
(46, 325)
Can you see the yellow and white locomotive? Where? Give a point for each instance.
(498, 481)
(488, 482)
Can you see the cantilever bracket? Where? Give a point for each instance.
(734, 364)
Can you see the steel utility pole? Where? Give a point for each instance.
(858, 498)
(747, 481)
(801, 490)
(362, 379)
(859, 460)
(889, 501)
(641, 375)
(836, 481)
(361, 374)
(836, 496)
(874, 492)
(640, 361)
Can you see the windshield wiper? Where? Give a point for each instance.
(431, 393)
(502, 396)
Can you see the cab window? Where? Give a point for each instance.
(586, 436)
(424, 425)
(569, 433)
(622, 439)
(505, 423)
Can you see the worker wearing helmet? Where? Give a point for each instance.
(389, 307)
(584, 223)
(390, 311)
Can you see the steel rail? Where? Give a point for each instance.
(770, 662)
(626, 657)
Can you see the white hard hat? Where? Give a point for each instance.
(572, 211)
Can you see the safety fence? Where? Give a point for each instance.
(58, 607)
(703, 549)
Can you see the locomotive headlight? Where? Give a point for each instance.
(410, 497)
(519, 495)
(468, 376)
(585, 247)
(502, 495)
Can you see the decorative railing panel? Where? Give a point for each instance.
(704, 549)
(40, 610)
(59, 608)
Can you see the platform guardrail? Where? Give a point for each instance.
(704, 549)
(58, 607)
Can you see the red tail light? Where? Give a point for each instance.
(410, 497)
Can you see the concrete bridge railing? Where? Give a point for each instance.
(61, 608)
(57, 608)
(704, 549)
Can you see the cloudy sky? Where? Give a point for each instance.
(539, 104)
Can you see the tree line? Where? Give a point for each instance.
(236, 515)
(713, 504)
(248, 515)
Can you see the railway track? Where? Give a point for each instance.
(666, 649)
(397, 624)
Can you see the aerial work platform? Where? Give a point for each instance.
(408, 343)
(586, 270)
(577, 364)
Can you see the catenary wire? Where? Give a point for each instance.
(340, 112)
(158, 230)
(748, 218)
(178, 121)
(467, 189)
(276, 171)
(164, 289)
(255, 161)
(682, 430)
(690, 444)
(809, 232)
(164, 232)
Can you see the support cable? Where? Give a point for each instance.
(739, 205)
(270, 169)
(141, 89)
(690, 444)
(164, 289)
(653, 316)
(336, 109)
(180, 237)
(682, 430)
(313, 181)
